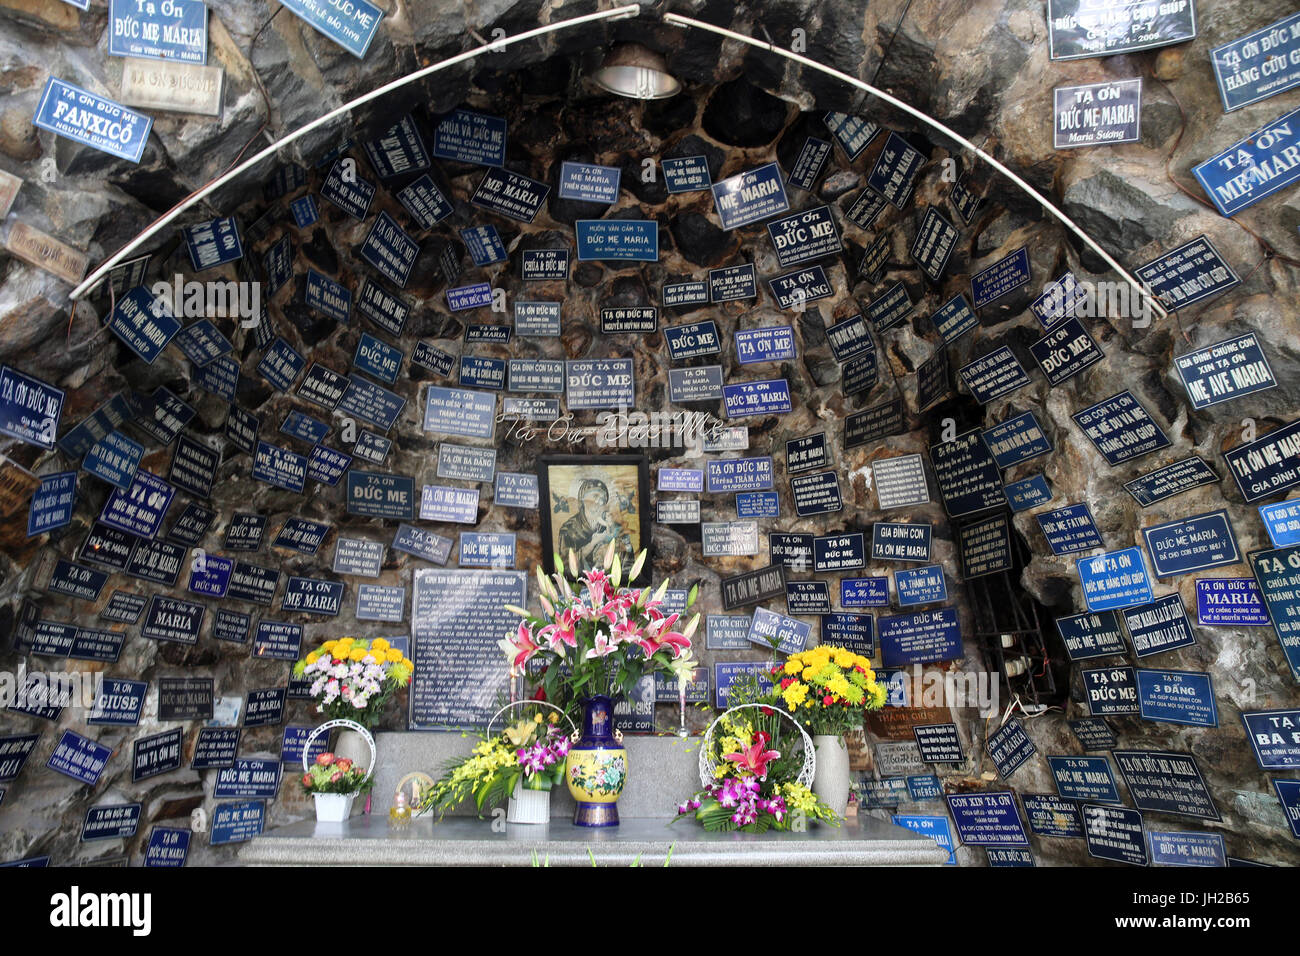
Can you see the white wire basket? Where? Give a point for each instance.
(350, 725)
(708, 765)
(530, 703)
(529, 806)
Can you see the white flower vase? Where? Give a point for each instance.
(831, 781)
(333, 807)
(528, 806)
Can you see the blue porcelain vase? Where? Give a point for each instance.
(596, 768)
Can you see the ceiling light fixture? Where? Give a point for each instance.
(632, 70)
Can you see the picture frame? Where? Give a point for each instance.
(588, 500)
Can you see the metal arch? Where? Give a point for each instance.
(1151, 301)
(496, 46)
(618, 13)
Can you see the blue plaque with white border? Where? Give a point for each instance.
(1049, 815)
(304, 212)
(326, 465)
(1009, 747)
(474, 296)
(1278, 574)
(726, 674)
(1070, 529)
(1173, 479)
(757, 504)
(478, 371)
(853, 133)
(53, 503)
(784, 635)
(216, 747)
(1177, 697)
(281, 365)
(1097, 114)
(804, 236)
(376, 602)
(422, 544)
(250, 777)
(376, 357)
(157, 561)
(690, 341)
(1192, 544)
(301, 534)
(389, 249)
(380, 495)
(112, 822)
(279, 467)
(750, 196)
(327, 297)
(282, 640)
(920, 638)
(1282, 522)
(140, 508)
(1230, 602)
(213, 243)
(799, 288)
(934, 243)
(732, 283)
(220, 377)
(864, 592)
(371, 402)
(599, 383)
(744, 399)
(1065, 351)
(348, 191)
(486, 550)
(167, 847)
(728, 475)
(1120, 428)
(1183, 848)
(816, 494)
(589, 183)
(1016, 439)
(1091, 635)
(372, 448)
(118, 702)
(80, 758)
(617, 240)
(895, 170)
(202, 343)
(1192, 273)
(1268, 465)
(449, 504)
(680, 479)
(684, 174)
(809, 163)
(29, 408)
(987, 819)
(1224, 371)
(916, 586)
(470, 137)
(304, 427)
(385, 310)
(81, 116)
(954, 319)
(1288, 794)
(994, 374)
(537, 318)
(237, 822)
(1274, 736)
(211, 577)
(1254, 168)
(515, 490)
(175, 31)
(1165, 782)
(1159, 626)
(144, 323)
(1258, 65)
(399, 151)
(1116, 579)
(839, 552)
(773, 343)
(484, 244)
(511, 194)
(900, 541)
(855, 632)
(351, 25)
(425, 202)
(1059, 300)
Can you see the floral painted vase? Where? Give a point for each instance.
(596, 767)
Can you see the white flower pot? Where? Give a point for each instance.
(529, 806)
(333, 807)
(831, 780)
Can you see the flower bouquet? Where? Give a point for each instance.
(354, 678)
(526, 756)
(757, 762)
(595, 638)
(334, 782)
(829, 689)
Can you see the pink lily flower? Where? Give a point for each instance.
(754, 759)
(522, 646)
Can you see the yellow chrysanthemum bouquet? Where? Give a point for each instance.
(354, 678)
(828, 689)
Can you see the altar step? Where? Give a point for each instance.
(662, 771)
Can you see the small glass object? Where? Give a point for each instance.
(399, 815)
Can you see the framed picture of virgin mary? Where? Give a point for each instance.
(587, 501)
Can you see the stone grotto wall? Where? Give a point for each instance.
(981, 66)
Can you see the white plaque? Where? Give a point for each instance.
(166, 85)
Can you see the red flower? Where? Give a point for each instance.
(336, 776)
(306, 780)
(762, 737)
(344, 764)
(768, 712)
(775, 671)
(541, 694)
(325, 759)
(828, 700)
(784, 684)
